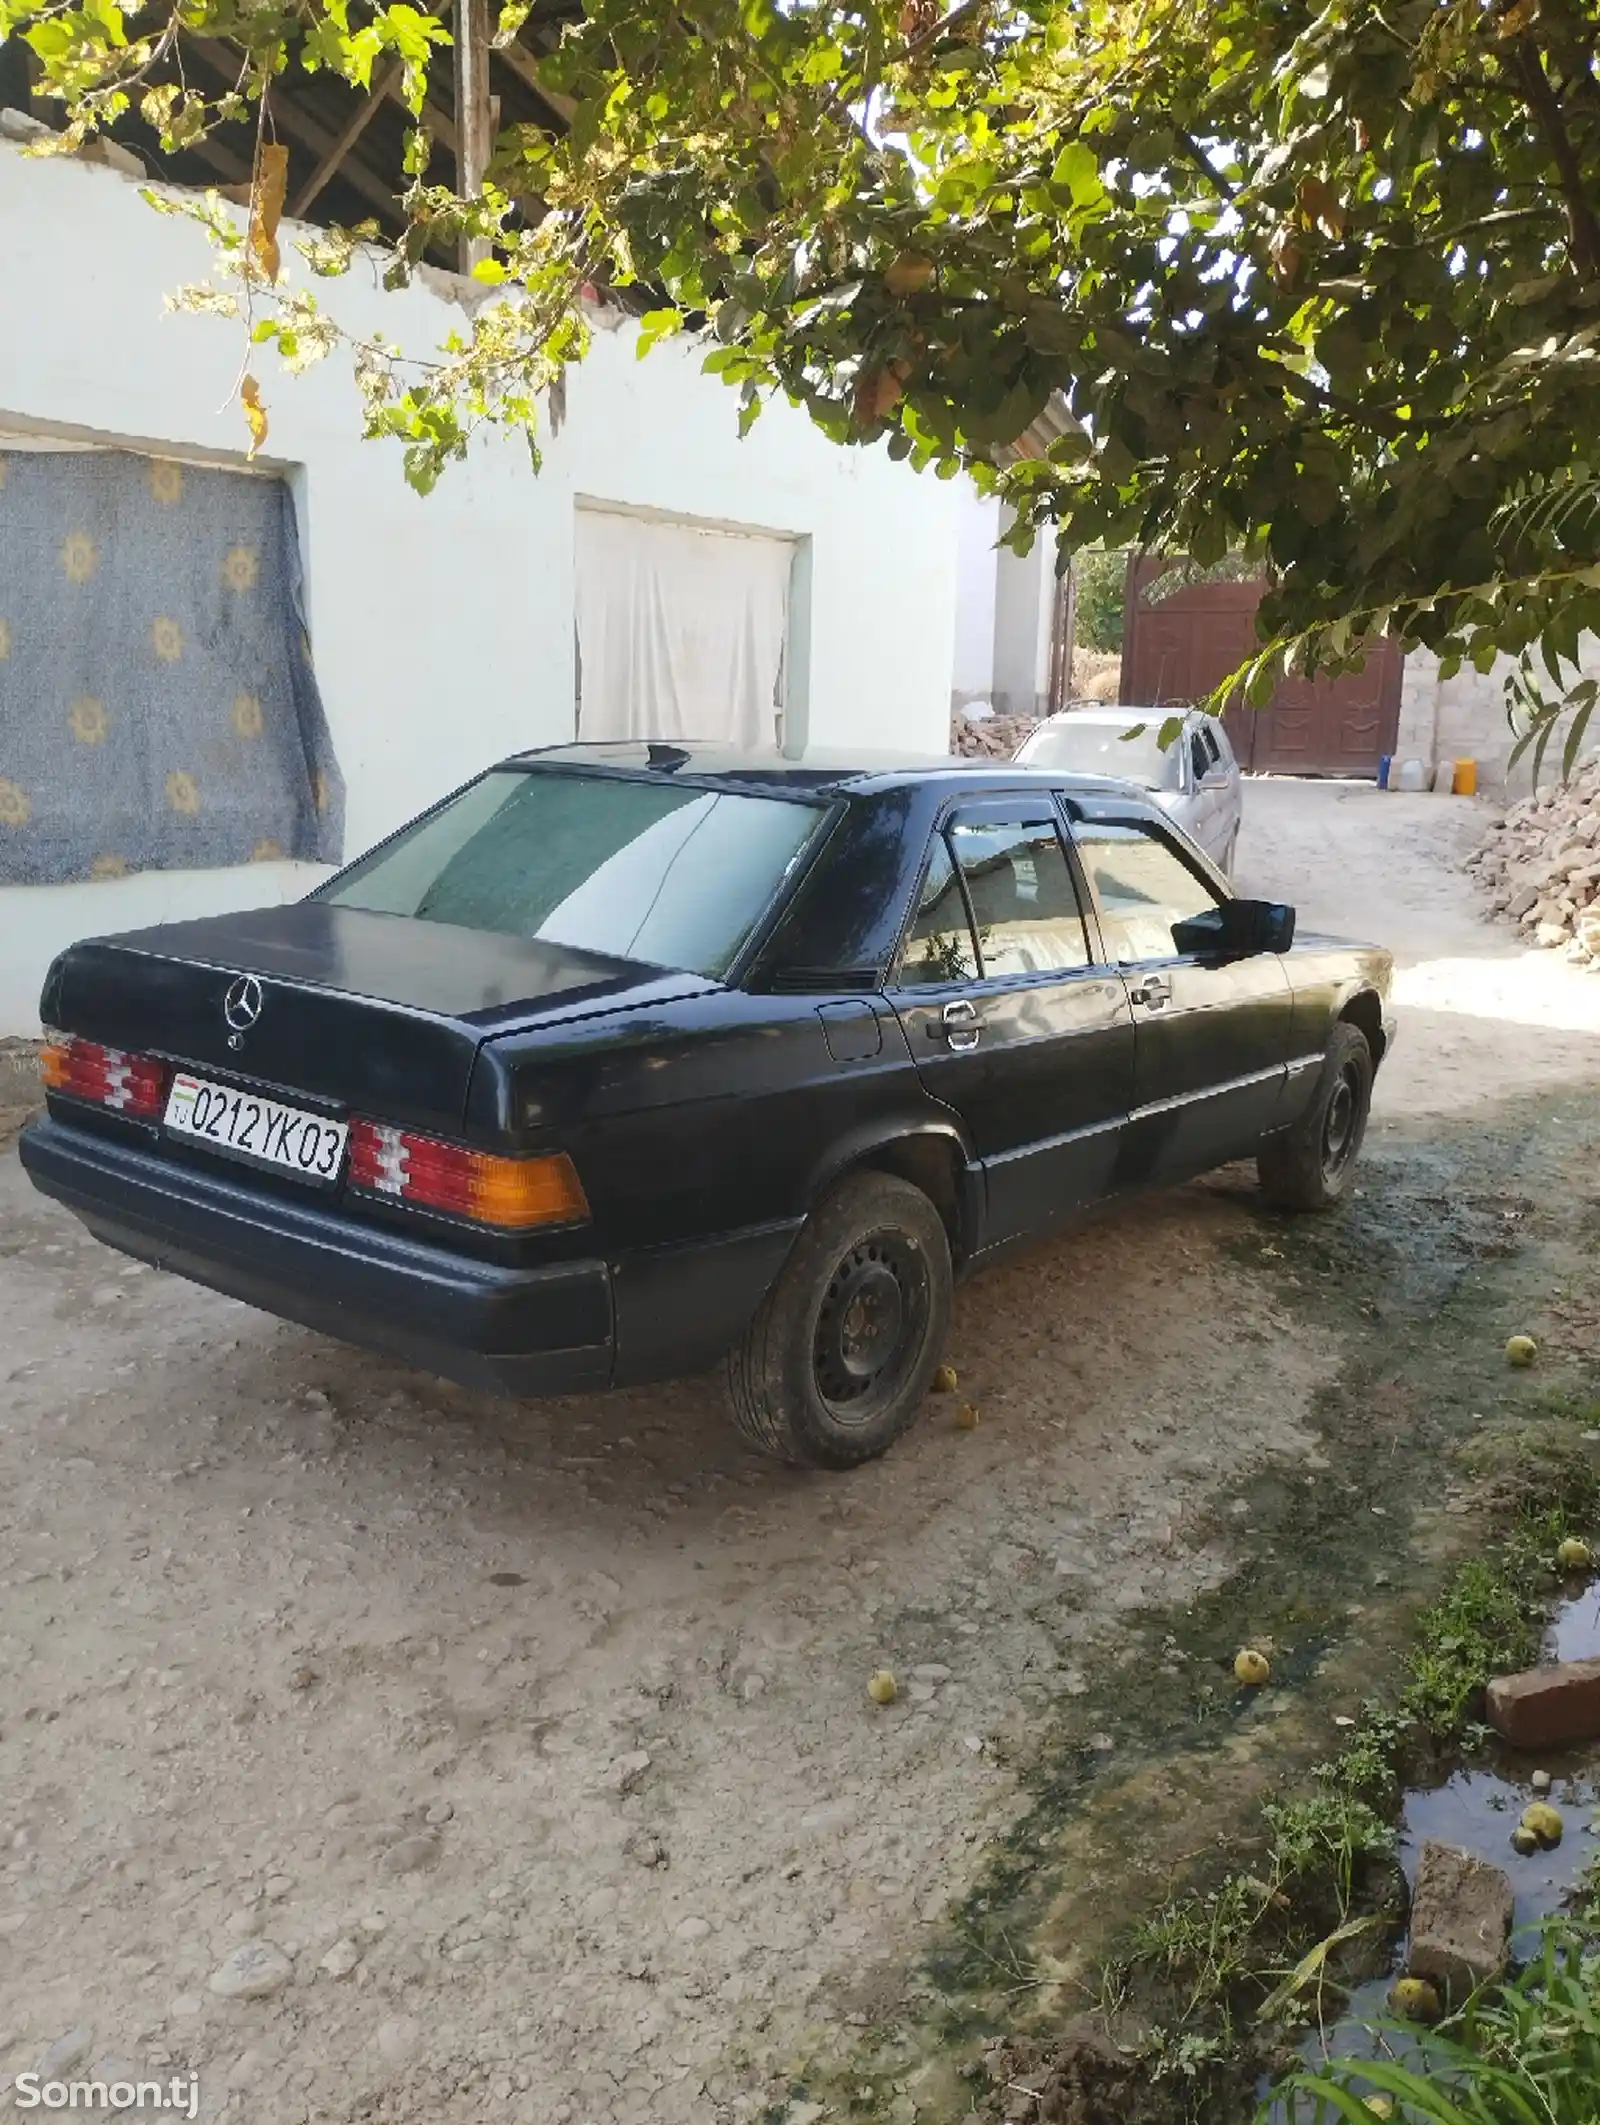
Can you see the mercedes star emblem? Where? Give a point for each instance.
(241, 1007)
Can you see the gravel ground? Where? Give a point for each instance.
(375, 1750)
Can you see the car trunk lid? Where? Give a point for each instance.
(378, 1014)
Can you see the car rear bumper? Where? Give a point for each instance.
(537, 1331)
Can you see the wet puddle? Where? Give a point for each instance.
(1477, 1809)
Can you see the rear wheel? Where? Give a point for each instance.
(1309, 1167)
(844, 1346)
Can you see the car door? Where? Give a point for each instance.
(1201, 811)
(1212, 1035)
(1013, 1021)
(1221, 781)
(1212, 805)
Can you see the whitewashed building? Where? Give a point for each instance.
(808, 591)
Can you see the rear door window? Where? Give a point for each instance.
(939, 944)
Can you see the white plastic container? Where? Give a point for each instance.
(1413, 776)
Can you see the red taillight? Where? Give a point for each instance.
(514, 1193)
(128, 1084)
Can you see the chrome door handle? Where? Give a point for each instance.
(961, 1024)
(1154, 991)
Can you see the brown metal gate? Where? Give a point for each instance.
(1182, 648)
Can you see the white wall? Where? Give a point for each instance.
(1024, 610)
(972, 677)
(1005, 613)
(443, 628)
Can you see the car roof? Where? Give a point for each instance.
(1116, 716)
(826, 772)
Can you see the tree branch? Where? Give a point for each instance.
(936, 30)
(1203, 162)
(1583, 231)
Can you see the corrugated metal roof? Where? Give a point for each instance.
(1056, 421)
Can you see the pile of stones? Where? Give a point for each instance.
(1541, 867)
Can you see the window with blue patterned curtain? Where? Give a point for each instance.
(158, 704)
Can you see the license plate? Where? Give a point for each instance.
(244, 1125)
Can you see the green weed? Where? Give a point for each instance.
(1528, 2054)
(1321, 1845)
(1216, 1953)
(1220, 1948)
(1367, 1768)
(1492, 1616)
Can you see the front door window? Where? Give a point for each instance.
(1143, 887)
(1023, 903)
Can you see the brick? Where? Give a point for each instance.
(1547, 1706)
(1460, 1920)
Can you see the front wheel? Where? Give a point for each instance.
(842, 1349)
(1309, 1167)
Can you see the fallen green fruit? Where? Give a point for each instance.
(1521, 1350)
(1416, 2000)
(1544, 1821)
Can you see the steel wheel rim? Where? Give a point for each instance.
(1341, 1123)
(870, 1326)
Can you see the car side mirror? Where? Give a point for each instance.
(1239, 929)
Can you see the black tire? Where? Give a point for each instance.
(844, 1346)
(1309, 1167)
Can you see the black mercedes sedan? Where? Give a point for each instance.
(626, 1060)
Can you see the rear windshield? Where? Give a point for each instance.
(674, 876)
(1099, 748)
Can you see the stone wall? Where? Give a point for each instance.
(1464, 718)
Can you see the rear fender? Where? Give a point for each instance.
(930, 1152)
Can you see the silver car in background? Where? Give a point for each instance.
(1195, 779)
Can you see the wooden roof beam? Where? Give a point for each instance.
(306, 129)
(387, 78)
(222, 159)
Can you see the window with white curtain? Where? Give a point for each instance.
(681, 629)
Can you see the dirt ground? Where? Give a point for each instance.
(521, 1754)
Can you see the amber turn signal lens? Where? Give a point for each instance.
(516, 1194)
(527, 1191)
